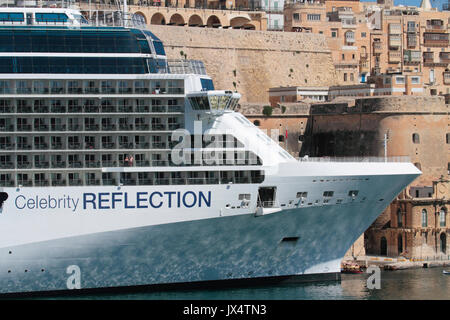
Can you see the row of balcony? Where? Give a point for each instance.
(127, 182)
(6, 108)
(85, 146)
(90, 127)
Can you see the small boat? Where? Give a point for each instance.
(446, 272)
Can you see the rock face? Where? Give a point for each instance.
(251, 62)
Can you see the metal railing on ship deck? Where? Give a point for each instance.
(355, 159)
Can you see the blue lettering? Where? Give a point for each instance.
(101, 200)
(170, 193)
(86, 200)
(126, 202)
(17, 206)
(151, 201)
(43, 203)
(114, 200)
(194, 198)
(202, 196)
(50, 202)
(139, 200)
(31, 203)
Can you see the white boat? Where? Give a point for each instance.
(100, 188)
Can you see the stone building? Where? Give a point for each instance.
(368, 38)
(185, 13)
(416, 224)
(251, 62)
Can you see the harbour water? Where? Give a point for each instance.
(410, 284)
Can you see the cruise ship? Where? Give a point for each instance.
(121, 168)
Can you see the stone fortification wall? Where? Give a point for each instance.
(251, 62)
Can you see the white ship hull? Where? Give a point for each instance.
(209, 241)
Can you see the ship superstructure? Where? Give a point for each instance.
(125, 168)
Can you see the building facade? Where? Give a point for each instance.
(372, 39)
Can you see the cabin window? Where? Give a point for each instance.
(51, 17)
(11, 16)
(353, 193)
(328, 194)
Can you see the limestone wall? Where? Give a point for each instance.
(253, 60)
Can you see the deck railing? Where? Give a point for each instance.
(356, 159)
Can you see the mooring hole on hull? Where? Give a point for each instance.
(289, 239)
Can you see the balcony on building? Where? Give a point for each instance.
(444, 57)
(395, 56)
(349, 38)
(411, 27)
(412, 57)
(364, 66)
(431, 39)
(395, 29)
(349, 23)
(428, 57)
(395, 40)
(435, 25)
(446, 77)
(411, 40)
(377, 47)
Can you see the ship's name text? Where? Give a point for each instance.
(117, 200)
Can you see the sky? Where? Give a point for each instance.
(434, 3)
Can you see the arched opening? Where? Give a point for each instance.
(249, 26)
(213, 22)
(195, 21)
(177, 19)
(400, 244)
(424, 218)
(157, 18)
(138, 19)
(238, 22)
(383, 246)
(443, 241)
(416, 138)
(442, 217)
(257, 123)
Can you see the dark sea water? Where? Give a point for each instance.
(411, 284)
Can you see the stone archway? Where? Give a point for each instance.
(138, 19)
(249, 26)
(239, 22)
(177, 19)
(443, 242)
(213, 22)
(195, 21)
(158, 18)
